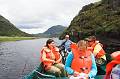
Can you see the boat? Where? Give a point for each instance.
(39, 73)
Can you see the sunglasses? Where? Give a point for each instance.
(90, 41)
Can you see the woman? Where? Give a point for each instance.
(51, 58)
(81, 62)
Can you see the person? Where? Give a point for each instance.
(97, 49)
(65, 48)
(51, 58)
(80, 62)
(67, 42)
(113, 67)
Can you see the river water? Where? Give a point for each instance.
(19, 58)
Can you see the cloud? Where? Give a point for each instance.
(42, 14)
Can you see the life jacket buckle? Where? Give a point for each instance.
(84, 68)
(82, 57)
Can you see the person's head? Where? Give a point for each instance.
(66, 37)
(115, 54)
(82, 45)
(91, 40)
(50, 43)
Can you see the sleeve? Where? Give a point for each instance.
(93, 71)
(68, 63)
(97, 49)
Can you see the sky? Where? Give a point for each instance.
(36, 16)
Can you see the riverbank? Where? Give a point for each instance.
(5, 38)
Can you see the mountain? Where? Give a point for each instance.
(8, 29)
(101, 19)
(53, 31)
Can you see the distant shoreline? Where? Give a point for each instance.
(6, 38)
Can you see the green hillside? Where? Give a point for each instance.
(53, 31)
(101, 19)
(8, 29)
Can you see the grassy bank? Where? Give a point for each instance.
(3, 39)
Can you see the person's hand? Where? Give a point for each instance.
(86, 75)
(53, 61)
(76, 74)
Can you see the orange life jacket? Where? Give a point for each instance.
(82, 61)
(55, 52)
(48, 56)
(97, 50)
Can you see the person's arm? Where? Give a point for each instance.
(68, 63)
(93, 71)
(71, 42)
(46, 59)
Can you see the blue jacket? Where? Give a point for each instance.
(68, 62)
(67, 44)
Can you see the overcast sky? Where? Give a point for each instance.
(36, 16)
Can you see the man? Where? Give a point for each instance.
(67, 42)
(96, 47)
(65, 48)
(99, 53)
